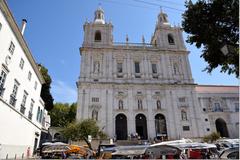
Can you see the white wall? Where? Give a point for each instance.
(17, 132)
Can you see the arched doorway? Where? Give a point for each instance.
(141, 126)
(221, 127)
(160, 126)
(121, 127)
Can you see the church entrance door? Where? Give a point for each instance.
(160, 127)
(141, 126)
(221, 127)
(121, 127)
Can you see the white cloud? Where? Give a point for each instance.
(62, 92)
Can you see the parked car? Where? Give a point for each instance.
(226, 143)
(230, 153)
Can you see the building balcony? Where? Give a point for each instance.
(1, 90)
(30, 115)
(138, 75)
(182, 104)
(22, 109)
(13, 100)
(155, 75)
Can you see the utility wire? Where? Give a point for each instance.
(128, 4)
(155, 4)
(170, 2)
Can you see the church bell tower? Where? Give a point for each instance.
(167, 36)
(98, 32)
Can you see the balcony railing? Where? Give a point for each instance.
(13, 100)
(30, 115)
(1, 90)
(22, 109)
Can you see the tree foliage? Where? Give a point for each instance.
(211, 137)
(45, 92)
(81, 130)
(214, 24)
(63, 114)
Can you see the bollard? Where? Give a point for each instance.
(22, 155)
(15, 156)
(7, 156)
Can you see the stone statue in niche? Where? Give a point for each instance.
(95, 115)
(184, 116)
(96, 67)
(120, 105)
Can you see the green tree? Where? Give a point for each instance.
(214, 24)
(81, 130)
(59, 115)
(45, 92)
(72, 112)
(211, 137)
(62, 114)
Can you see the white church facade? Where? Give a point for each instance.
(148, 88)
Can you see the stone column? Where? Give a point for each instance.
(110, 120)
(173, 116)
(86, 103)
(131, 112)
(150, 115)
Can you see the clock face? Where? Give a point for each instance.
(8, 60)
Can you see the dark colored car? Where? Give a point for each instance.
(231, 153)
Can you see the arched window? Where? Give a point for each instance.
(158, 104)
(120, 104)
(170, 39)
(184, 115)
(95, 115)
(98, 37)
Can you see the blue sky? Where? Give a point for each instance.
(54, 34)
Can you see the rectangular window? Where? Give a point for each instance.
(182, 99)
(140, 107)
(11, 48)
(29, 76)
(236, 107)
(2, 82)
(95, 99)
(35, 85)
(154, 68)
(23, 108)
(186, 128)
(137, 67)
(14, 94)
(31, 109)
(119, 68)
(21, 64)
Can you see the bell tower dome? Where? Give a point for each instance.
(163, 19)
(99, 16)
